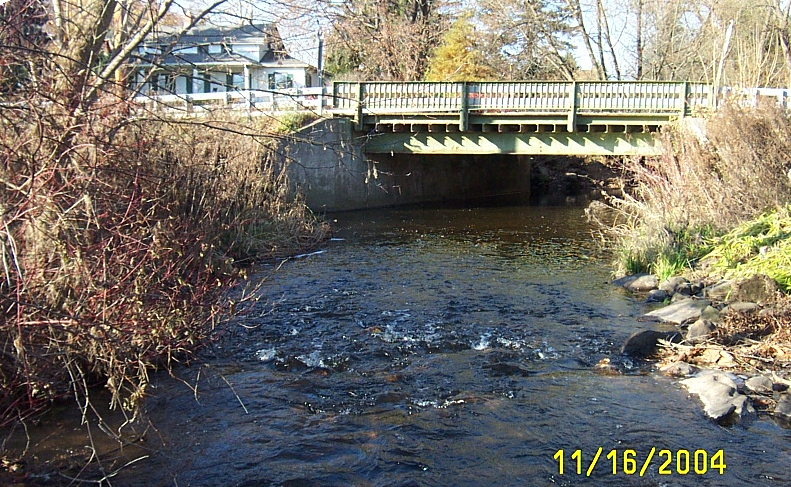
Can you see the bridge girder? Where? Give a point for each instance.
(567, 144)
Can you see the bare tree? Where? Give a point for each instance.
(582, 30)
(528, 39)
(384, 39)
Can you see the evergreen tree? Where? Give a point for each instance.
(459, 57)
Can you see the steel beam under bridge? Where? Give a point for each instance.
(530, 118)
(576, 144)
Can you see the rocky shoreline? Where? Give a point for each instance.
(728, 341)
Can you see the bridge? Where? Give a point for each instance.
(522, 118)
(408, 129)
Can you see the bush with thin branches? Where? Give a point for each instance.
(117, 247)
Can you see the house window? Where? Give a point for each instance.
(281, 81)
(237, 81)
(170, 82)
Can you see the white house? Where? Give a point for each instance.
(212, 59)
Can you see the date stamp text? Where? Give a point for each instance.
(629, 462)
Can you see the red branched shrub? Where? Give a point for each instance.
(117, 243)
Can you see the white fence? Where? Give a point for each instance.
(252, 101)
(424, 97)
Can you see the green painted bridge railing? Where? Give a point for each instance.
(529, 118)
(539, 102)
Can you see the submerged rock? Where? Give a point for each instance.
(615, 365)
(719, 395)
(646, 343)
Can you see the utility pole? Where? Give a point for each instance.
(320, 67)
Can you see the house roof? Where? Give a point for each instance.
(211, 34)
(271, 58)
(281, 58)
(262, 34)
(197, 59)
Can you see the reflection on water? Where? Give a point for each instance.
(435, 348)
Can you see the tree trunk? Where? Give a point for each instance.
(81, 26)
(574, 5)
(639, 74)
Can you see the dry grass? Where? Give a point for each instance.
(117, 244)
(702, 186)
(753, 341)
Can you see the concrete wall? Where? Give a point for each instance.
(327, 164)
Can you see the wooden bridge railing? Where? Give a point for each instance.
(634, 99)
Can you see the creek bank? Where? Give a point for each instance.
(729, 343)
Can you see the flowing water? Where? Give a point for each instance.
(439, 347)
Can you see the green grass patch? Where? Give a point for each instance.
(292, 122)
(759, 246)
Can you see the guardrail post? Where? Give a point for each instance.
(358, 122)
(464, 114)
(572, 120)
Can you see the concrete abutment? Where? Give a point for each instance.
(326, 162)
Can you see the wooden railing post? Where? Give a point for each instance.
(684, 100)
(464, 113)
(572, 119)
(358, 122)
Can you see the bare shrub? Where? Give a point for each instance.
(732, 168)
(116, 247)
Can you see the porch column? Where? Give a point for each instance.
(247, 87)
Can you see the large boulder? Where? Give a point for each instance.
(638, 282)
(759, 289)
(719, 395)
(699, 331)
(672, 284)
(680, 312)
(646, 343)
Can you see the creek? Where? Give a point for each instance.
(438, 347)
